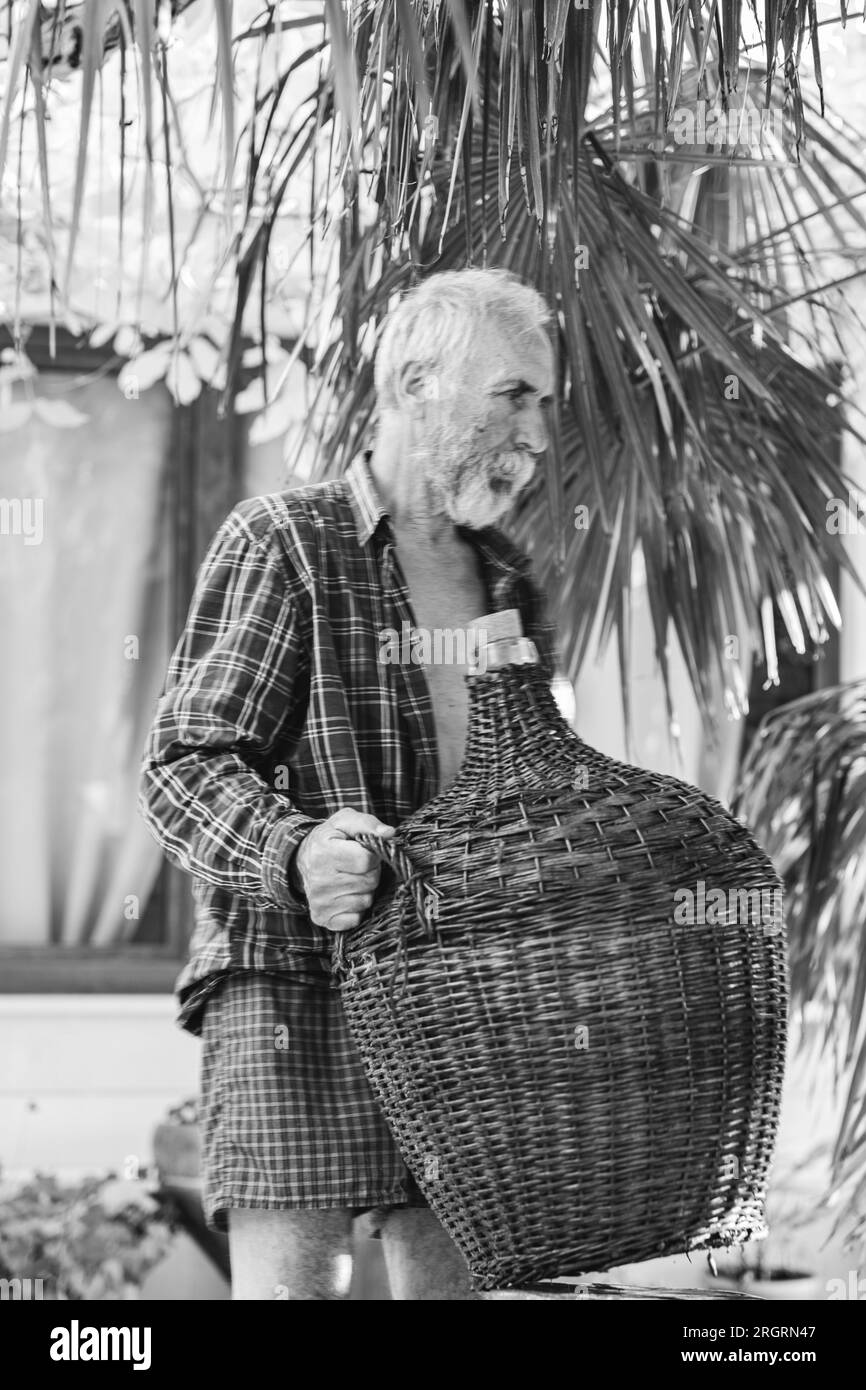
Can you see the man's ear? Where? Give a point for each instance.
(416, 383)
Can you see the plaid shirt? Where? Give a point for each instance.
(277, 712)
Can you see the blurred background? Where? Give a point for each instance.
(206, 210)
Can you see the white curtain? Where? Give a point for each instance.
(84, 634)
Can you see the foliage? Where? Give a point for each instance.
(802, 789)
(699, 380)
(364, 146)
(93, 1239)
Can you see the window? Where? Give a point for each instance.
(103, 529)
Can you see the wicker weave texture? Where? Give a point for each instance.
(577, 1079)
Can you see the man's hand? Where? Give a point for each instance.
(338, 876)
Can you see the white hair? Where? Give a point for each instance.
(434, 324)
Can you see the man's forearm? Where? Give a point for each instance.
(217, 819)
(229, 689)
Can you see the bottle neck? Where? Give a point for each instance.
(515, 727)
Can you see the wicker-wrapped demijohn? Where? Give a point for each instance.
(570, 999)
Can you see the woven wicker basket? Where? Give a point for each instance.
(577, 1078)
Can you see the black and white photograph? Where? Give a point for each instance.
(433, 651)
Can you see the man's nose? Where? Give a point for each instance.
(532, 433)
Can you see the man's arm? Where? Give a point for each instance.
(227, 695)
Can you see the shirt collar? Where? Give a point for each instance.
(500, 553)
(503, 557)
(366, 503)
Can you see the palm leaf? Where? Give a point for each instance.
(44, 178)
(345, 69)
(225, 84)
(16, 65)
(802, 789)
(647, 341)
(93, 30)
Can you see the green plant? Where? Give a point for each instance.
(658, 306)
(802, 789)
(95, 1238)
(404, 138)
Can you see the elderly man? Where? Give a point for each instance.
(282, 734)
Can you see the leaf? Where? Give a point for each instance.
(102, 334)
(37, 75)
(224, 12)
(145, 34)
(275, 420)
(459, 144)
(127, 341)
(346, 92)
(182, 379)
(802, 789)
(15, 66)
(140, 373)
(93, 25)
(251, 398)
(273, 352)
(73, 322)
(206, 359)
(468, 52)
(59, 413)
(413, 49)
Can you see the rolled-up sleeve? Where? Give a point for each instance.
(229, 691)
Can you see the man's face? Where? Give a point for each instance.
(487, 424)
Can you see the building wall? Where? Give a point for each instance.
(84, 1078)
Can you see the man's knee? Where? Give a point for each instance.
(422, 1260)
(290, 1255)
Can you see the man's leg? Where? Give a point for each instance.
(290, 1255)
(422, 1260)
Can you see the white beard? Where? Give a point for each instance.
(486, 488)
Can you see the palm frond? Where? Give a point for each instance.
(225, 83)
(678, 385)
(802, 789)
(17, 64)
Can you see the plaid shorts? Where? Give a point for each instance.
(288, 1119)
